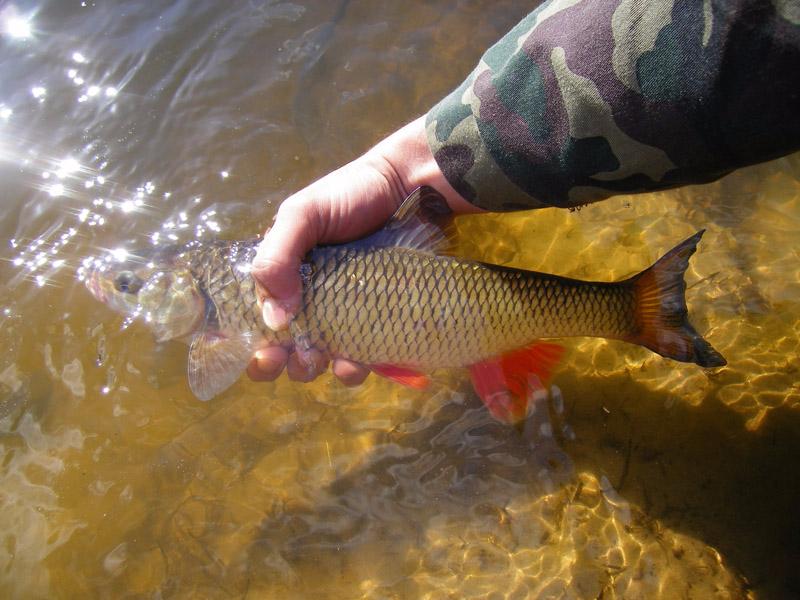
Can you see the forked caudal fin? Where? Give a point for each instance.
(661, 315)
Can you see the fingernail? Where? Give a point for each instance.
(275, 316)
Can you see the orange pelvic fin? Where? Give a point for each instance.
(504, 383)
(408, 377)
(661, 315)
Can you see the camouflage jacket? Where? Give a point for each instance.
(584, 99)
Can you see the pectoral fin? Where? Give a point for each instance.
(216, 362)
(504, 383)
(407, 377)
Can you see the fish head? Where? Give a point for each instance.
(156, 287)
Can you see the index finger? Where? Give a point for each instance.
(276, 266)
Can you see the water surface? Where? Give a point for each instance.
(135, 123)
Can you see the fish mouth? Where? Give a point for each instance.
(95, 287)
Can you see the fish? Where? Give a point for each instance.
(401, 302)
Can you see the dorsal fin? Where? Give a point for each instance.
(423, 222)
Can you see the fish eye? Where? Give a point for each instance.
(127, 282)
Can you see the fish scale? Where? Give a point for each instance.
(440, 311)
(222, 268)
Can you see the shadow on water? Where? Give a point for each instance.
(699, 470)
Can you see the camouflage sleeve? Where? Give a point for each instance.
(586, 99)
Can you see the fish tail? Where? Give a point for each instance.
(661, 316)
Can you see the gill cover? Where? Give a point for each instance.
(171, 305)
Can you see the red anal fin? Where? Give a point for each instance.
(490, 384)
(504, 383)
(407, 377)
(539, 359)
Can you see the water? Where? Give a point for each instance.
(133, 123)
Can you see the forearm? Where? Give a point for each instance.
(605, 97)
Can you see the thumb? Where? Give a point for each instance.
(276, 266)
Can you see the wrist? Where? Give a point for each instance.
(410, 163)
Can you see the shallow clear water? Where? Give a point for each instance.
(133, 123)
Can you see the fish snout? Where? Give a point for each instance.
(94, 286)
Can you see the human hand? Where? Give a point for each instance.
(345, 205)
